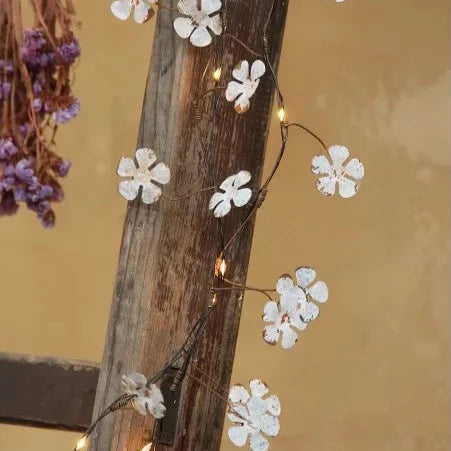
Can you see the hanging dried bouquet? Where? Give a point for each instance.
(35, 97)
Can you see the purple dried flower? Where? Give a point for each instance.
(62, 167)
(31, 46)
(37, 105)
(25, 172)
(7, 148)
(6, 66)
(69, 51)
(68, 113)
(37, 87)
(8, 205)
(5, 89)
(24, 128)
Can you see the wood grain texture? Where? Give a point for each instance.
(47, 392)
(169, 249)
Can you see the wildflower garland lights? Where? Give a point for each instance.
(35, 98)
(255, 414)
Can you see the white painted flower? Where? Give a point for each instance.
(221, 202)
(335, 172)
(295, 308)
(141, 9)
(254, 415)
(247, 82)
(318, 292)
(199, 22)
(142, 176)
(146, 400)
(285, 315)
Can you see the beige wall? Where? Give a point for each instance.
(371, 374)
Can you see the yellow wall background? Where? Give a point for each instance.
(371, 374)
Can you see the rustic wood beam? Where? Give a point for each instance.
(47, 392)
(169, 249)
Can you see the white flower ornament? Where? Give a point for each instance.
(285, 315)
(146, 400)
(336, 173)
(295, 308)
(254, 415)
(245, 85)
(141, 9)
(142, 176)
(233, 191)
(199, 22)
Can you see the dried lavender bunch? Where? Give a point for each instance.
(35, 97)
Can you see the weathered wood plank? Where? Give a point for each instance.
(169, 249)
(47, 392)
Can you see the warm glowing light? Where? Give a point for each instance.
(217, 74)
(148, 447)
(213, 300)
(281, 114)
(81, 443)
(222, 268)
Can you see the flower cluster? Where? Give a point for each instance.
(41, 100)
(295, 308)
(253, 415)
(145, 400)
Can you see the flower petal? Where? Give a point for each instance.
(222, 209)
(296, 320)
(239, 394)
(319, 292)
(309, 312)
(273, 405)
(326, 185)
(271, 335)
(241, 71)
(258, 69)
(305, 276)
(145, 157)
(156, 394)
(354, 168)
(141, 12)
(127, 167)
(183, 26)
(258, 442)
(289, 337)
(158, 410)
(269, 425)
(270, 312)
(238, 413)
(133, 382)
(258, 388)
(285, 284)
(347, 188)
(129, 189)
(242, 197)
(321, 165)
(201, 37)
(151, 193)
(121, 9)
(211, 6)
(234, 89)
(215, 200)
(187, 7)
(160, 173)
(338, 154)
(289, 301)
(242, 104)
(242, 178)
(215, 24)
(238, 435)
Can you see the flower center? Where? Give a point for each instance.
(200, 19)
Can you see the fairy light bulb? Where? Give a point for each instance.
(217, 74)
(81, 443)
(222, 268)
(281, 114)
(147, 447)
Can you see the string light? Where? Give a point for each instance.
(220, 267)
(281, 114)
(81, 443)
(148, 447)
(217, 74)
